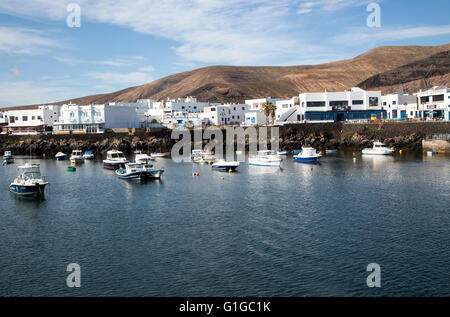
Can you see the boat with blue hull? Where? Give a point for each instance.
(88, 155)
(139, 172)
(308, 155)
(226, 166)
(29, 181)
(114, 160)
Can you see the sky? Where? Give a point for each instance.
(46, 56)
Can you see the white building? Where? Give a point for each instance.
(435, 103)
(400, 106)
(75, 119)
(188, 104)
(287, 110)
(31, 120)
(257, 104)
(356, 104)
(225, 114)
(255, 117)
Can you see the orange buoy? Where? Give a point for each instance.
(311, 168)
(198, 174)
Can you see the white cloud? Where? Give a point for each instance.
(116, 62)
(358, 36)
(307, 6)
(15, 70)
(25, 41)
(13, 93)
(147, 69)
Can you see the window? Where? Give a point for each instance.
(243, 108)
(384, 102)
(394, 102)
(234, 108)
(361, 102)
(11, 120)
(438, 98)
(341, 103)
(315, 104)
(33, 118)
(24, 118)
(424, 99)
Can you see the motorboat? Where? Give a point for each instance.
(199, 156)
(142, 157)
(378, 149)
(8, 157)
(160, 155)
(227, 166)
(29, 181)
(114, 160)
(308, 155)
(60, 156)
(138, 172)
(265, 158)
(88, 155)
(76, 157)
(282, 153)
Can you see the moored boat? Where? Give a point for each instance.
(88, 155)
(160, 155)
(60, 156)
(265, 158)
(282, 153)
(307, 155)
(29, 181)
(8, 157)
(199, 156)
(138, 172)
(76, 157)
(378, 149)
(227, 166)
(142, 157)
(114, 160)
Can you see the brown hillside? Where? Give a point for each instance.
(235, 84)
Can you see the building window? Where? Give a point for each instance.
(24, 118)
(341, 103)
(361, 102)
(438, 98)
(243, 108)
(384, 102)
(33, 118)
(394, 102)
(315, 104)
(424, 99)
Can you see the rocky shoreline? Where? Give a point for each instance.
(405, 136)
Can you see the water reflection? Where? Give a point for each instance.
(377, 161)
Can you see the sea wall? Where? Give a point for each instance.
(407, 136)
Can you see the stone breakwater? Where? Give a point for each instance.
(406, 136)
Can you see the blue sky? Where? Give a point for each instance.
(127, 43)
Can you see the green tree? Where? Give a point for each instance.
(269, 111)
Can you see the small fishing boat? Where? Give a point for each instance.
(76, 157)
(224, 165)
(307, 155)
(88, 155)
(8, 158)
(142, 157)
(265, 158)
(160, 155)
(29, 181)
(60, 156)
(199, 156)
(378, 149)
(138, 172)
(114, 160)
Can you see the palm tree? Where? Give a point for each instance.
(269, 111)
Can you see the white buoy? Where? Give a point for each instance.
(430, 153)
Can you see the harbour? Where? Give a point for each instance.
(298, 230)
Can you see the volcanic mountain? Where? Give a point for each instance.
(237, 83)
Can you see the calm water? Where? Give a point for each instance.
(259, 232)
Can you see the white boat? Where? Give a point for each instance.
(8, 157)
(88, 155)
(76, 157)
(160, 155)
(282, 153)
(308, 155)
(142, 157)
(265, 158)
(114, 160)
(138, 172)
(60, 156)
(199, 156)
(29, 182)
(378, 149)
(227, 166)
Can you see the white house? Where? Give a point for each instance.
(287, 110)
(401, 106)
(355, 104)
(31, 120)
(255, 117)
(225, 114)
(75, 119)
(257, 104)
(188, 104)
(435, 103)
